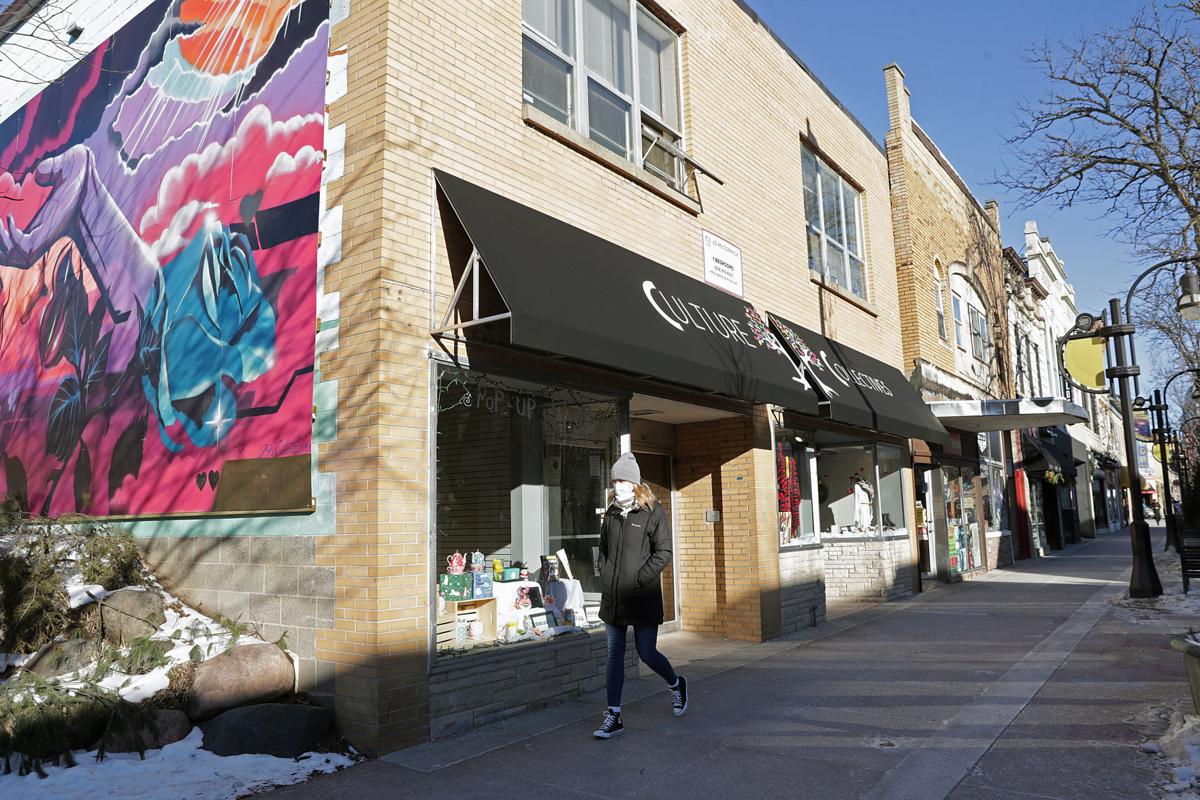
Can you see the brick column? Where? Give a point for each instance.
(729, 570)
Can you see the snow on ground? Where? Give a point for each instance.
(176, 772)
(80, 593)
(195, 636)
(1179, 750)
(179, 771)
(1172, 607)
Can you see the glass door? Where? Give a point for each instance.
(1037, 519)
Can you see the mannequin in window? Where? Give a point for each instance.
(864, 503)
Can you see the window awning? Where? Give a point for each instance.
(981, 416)
(573, 294)
(1050, 449)
(859, 390)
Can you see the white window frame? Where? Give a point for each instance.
(842, 183)
(638, 115)
(939, 298)
(978, 331)
(956, 309)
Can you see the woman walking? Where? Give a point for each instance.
(635, 547)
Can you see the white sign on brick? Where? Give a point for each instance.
(722, 264)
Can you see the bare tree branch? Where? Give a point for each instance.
(1119, 128)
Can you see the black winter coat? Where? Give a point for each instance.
(634, 550)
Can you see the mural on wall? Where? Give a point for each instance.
(158, 256)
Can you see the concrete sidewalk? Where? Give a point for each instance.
(1026, 684)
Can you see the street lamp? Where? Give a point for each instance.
(1143, 581)
(1188, 303)
(1160, 433)
(1189, 296)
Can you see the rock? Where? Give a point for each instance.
(130, 613)
(170, 726)
(277, 729)
(62, 657)
(247, 673)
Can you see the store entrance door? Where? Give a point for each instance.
(656, 473)
(1052, 512)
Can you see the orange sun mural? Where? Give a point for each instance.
(233, 34)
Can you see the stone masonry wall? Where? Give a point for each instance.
(868, 569)
(999, 551)
(479, 689)
(801, 589)
(271, 582)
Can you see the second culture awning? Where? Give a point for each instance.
(570, 293)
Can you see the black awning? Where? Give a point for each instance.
(574, 294)
(857, 389)
(1051, 450)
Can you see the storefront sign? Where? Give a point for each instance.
(722, 264)
(688, 316)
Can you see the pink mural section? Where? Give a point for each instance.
(158, 255)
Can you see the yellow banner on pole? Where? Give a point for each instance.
(1158, 455)
(1084, 359)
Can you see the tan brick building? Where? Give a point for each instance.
(953, 289)
(478, 96)
(552, 232)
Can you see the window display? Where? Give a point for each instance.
(794, 482)
(845, 489)
(964, 545)
(860, 490)
(995, 483)
(521, 481)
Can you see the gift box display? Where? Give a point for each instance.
(458, 586)
(482, 584)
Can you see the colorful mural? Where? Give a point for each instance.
(158, 256)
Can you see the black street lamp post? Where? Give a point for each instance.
(1144, 581)
(1161, 433)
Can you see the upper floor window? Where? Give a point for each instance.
(939, 300)
(956, 305)
(979, 332)
(610, 70)
(832, 210)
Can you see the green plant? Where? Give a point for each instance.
(1054, 477)
(43, 722)
(143, 655)
(110, 558)
(33, 602)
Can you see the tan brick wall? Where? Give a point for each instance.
(937, 221)
(728, 570)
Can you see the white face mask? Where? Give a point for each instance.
(623, 490)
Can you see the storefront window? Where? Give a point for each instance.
(860, 490)
(994, 479)
(891, 489)
(793, 483)
(964, 548)
(521, 474)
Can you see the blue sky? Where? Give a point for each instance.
(963, 64)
